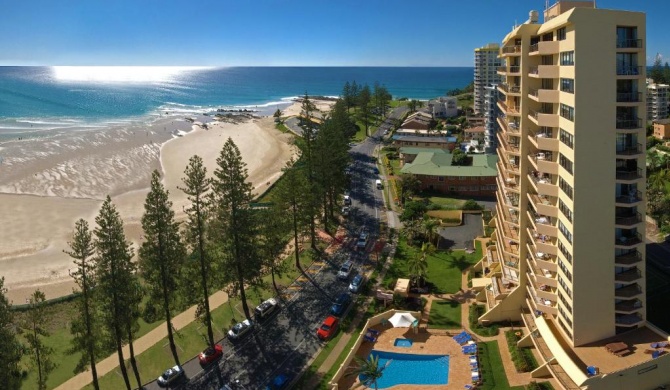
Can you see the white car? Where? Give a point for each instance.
(345, 211)
(170, 375)
(345, 270)
(362, 240)
(240, 329)
(347, 200)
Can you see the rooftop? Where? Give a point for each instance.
(439, 164)
(416, 138)
(663, 121)
(411, 150)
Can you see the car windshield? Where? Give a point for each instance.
(357, 281)
(324, 327)
(344, 268)
(238, 327)
(209, 351)
(167, 373)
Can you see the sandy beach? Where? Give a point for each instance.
(47, 184)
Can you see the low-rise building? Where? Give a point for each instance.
(444, 107)
(419, 132)
(474, 133)
(439, 142)
(434, 171)
(657, 101)
(419, 120)
(662, 129)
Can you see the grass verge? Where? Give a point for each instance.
(523, 358)
(492, 369)
(445, 315)
(475, 312)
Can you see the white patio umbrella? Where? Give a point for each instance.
(402, 320)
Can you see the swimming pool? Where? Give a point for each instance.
(412, 369)
(403, 343)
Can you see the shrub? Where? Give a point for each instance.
(472, 205)
(523, 359)
(483, 330)
(413, 210)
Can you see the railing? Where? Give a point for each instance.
(628, 291)
(628, 97)
(629, 150)
(629, 43)
(627, 319)
(632, 239)
(628, 258)
(629, 305)
(514, 69)
(628, 70)
(533, 70)
(535, 114)
(502, 69)
(630, 174)
(628, 276)
(509, 88)
(628, 123)
(629, 219)
(533, 48)
(511, 49)
(533, 92)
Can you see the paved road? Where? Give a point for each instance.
(292, 124)
(286, 341)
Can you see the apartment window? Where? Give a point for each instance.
(567, 112)
(567, 58)
(565, 210)
(565, 286)
(564, 230)
(565, 162)
(565, 187)
(567, 138)
(563, 268)
(568, 85)
(565, 318)
(565, 252)
(452, 188)
(564, 302)
(440, 178)
(461, 178)
(560, 34)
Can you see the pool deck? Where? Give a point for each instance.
(424, 343)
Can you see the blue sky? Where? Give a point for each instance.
(273, 32)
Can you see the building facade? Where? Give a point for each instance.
(568, 258)
(662, 129)
(491, 114)
(486, 64)
(657, 101)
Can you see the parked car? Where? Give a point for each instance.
(376, 170)
(170, 376)
(328, 328)
(240, 329)
(266, 308)
(279, 382)
(210, 354)
(347, 200)
(362, 240)
(345, 270)
(340, 305)
(356, 284)
(345, 211)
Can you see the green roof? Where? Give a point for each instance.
(439, 164)
(412, 150)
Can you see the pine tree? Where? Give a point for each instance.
(10, 350)
(347, 95)
(35, 332)
(306, 145)
(134, 291)
(115, 272)
(273, 224)
(85, 327)
(162, 253)
(196, 187)
(364, 104)
(234, 226)
(657, 71)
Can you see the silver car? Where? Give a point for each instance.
(170, 375)
(240, 329)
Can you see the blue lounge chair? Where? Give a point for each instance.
(465, 339)
(592, 370)
(463, 333)
(656, 354)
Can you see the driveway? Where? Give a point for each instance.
(462, 237)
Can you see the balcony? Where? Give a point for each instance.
(510, 184)
(629, 71)
(629, 150)
(628, 258)
(544, 140)
(544, 184)
(544, 71)
(509, 215)
(628, 240)
(543, 305)
(509, 147)
(628, 219)
(543, 260)
(544, 277)
(629, 97)
(629, 43)
(511, 70)
(628, 276)
(511, 50)
(544, 225)
(543, 119)
(628, 306)
(628, 123)
(627, 320)
(544, 205)
(509, 89)
(629, 291)
(629, 174)
(544, 162)
(544, 95)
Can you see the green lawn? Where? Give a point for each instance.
(444, 267)
(447, 203)
(491, 367)
(445, 315)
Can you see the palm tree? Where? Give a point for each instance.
(654, 160)
(430, 226)
(369, 370)
(418, 268)
(411, 229)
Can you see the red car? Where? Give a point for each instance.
(210, 354)
(328, 328)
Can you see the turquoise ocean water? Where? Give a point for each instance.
(36, 100)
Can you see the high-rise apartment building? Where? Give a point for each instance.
(568, 253)
(486, 64)
(657, 101)
(491, 113)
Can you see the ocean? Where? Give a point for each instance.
(39, 102)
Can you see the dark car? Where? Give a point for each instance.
(170, 376)
(266, 308)
(376, 170)
(357, 283)
(279, 382)
(210, 354)
(340, 304)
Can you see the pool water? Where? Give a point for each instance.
(410, 369)
(404, 343)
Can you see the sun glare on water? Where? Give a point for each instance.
(120, 74)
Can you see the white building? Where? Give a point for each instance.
(444, 107)
(486, 65)
(657, 101)
(491, 113)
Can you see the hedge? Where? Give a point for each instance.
(476, 311)
(523, 358)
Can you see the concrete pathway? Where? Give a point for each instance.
(142, 344)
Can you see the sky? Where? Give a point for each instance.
(274, 32)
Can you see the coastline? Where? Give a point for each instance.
(39, 222)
